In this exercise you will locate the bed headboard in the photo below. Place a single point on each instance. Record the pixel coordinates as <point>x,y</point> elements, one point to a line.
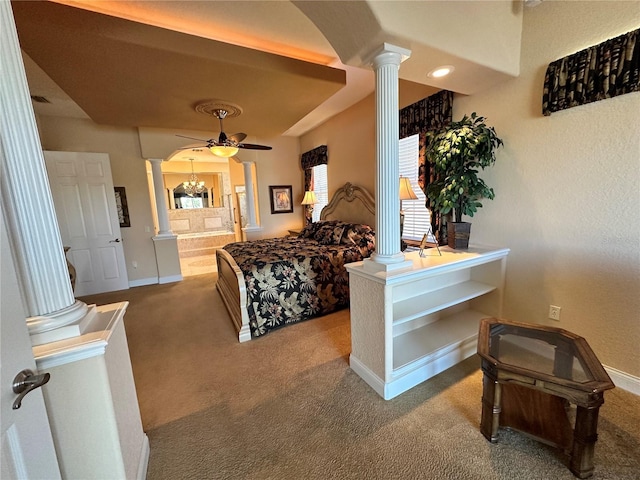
<point>352,204</point>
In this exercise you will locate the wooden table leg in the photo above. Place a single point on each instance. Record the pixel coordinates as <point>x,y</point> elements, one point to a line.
<point>491,408</point>
<point>585,435</point>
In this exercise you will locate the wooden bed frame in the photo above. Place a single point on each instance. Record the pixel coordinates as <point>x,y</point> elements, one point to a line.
<point>349,203</point>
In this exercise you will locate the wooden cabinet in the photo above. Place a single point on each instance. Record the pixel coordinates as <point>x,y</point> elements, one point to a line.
<point>411,324</point>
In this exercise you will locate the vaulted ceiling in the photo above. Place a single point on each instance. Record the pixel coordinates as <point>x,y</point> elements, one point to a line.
<point>288,65</point>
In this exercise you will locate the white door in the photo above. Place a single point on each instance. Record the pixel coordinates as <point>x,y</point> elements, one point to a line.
<point>27,446</point>
<point>85,204</point>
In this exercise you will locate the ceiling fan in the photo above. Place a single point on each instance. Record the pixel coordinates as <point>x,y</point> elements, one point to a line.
<point>225,145</point>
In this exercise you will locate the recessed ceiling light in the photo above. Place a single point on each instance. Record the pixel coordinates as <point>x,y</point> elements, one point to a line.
<point>441,71</point>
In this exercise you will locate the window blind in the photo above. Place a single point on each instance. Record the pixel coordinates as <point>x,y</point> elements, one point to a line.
<point>320,187</point>
<point>416,216</point>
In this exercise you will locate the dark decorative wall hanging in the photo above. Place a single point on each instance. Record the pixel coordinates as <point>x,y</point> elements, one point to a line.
<point>122,207</point>
<point>427,115</point>
<point>310,159</point>
<point>603,71</point>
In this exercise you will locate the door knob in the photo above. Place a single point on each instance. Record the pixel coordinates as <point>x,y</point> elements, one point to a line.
<point>117,240</point>
<point>25,382</point>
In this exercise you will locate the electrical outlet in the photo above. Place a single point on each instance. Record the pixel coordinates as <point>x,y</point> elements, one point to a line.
<point>554,312</point>
<point>134,264</point>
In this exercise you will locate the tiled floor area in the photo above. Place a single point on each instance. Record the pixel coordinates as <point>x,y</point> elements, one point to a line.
<point>198,265</point>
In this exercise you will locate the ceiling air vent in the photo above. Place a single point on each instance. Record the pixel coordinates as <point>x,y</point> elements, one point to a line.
<point>39,99</point>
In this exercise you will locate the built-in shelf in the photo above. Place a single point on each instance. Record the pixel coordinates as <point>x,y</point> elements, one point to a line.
<point>409,325</point>
<point>424,343</point>
<point>434,301</point>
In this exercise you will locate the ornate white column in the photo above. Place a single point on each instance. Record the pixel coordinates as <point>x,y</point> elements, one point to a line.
<point>159,191</point>
<point>165,242</point>
<point>248,189</point>
<point>33,231</point>
<point>385,63</point>
<point>252,222</point>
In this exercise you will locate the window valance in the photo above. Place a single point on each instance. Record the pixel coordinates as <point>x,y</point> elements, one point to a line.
<point>603,71</point>
<point>312,158</point>
<point>430,113</point>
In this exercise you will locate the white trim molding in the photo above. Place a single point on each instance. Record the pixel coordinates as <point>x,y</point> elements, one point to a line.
<point>141,282</point>
<point>623,380</point>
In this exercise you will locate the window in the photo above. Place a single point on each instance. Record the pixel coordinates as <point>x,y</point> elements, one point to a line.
<point>191,202</point>
<point>320,187</point>
<point>416,215</point>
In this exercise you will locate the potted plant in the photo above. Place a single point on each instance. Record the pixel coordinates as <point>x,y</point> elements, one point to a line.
<point>457,153</point>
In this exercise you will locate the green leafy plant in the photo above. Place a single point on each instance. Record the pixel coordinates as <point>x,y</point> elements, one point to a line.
<point>458,152</point>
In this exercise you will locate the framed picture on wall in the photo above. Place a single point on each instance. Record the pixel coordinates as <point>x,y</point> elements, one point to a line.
<point>121,206</point>
<point>280,196</point>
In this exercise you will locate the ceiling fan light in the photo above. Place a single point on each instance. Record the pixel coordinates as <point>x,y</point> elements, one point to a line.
<point>222,151</point>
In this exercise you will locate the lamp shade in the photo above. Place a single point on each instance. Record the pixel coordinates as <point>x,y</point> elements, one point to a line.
<point>309,198</point>
<point>406,192</point>
<point>222,151</point>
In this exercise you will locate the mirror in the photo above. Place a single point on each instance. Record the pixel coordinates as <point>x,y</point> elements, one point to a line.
<point>183,200</point>
<point>211,197</point>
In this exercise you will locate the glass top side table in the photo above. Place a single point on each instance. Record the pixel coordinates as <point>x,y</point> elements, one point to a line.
<point>532,375</point>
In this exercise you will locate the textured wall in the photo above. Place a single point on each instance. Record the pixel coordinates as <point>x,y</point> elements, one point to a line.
<point>129,171</point>
<point>567,188</point>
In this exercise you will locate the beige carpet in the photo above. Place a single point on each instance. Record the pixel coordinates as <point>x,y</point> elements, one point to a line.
<point>287,405</point>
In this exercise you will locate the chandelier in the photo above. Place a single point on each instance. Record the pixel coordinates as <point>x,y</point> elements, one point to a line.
<point>193,186</point>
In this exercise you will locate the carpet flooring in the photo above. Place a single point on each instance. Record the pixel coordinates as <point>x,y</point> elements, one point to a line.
<point>287,405</point>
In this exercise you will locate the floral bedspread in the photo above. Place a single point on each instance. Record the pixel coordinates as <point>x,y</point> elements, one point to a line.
<point>290,279</point>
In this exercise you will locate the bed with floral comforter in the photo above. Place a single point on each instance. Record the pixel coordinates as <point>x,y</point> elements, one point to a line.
<point>290,279</point>
<point>289,283</point>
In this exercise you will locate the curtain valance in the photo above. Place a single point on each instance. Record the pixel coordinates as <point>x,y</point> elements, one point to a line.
<point>428,114</point>
<point>603,71</point>
<point>312,158</point>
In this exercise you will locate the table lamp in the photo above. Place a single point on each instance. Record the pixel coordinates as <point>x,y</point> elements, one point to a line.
<point>406,193</point>
<point>309,200</point>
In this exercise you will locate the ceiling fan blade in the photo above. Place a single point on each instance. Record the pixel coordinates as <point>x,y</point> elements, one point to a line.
<point>193,138</point>
<point>195,147</point>
<point>253,146</point>
<point>238,137</point>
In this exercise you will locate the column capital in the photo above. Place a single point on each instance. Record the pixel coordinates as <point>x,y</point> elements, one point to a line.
<point>388,54</point>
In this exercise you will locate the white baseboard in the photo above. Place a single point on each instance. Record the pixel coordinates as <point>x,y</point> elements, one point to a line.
<point>418,371</point>
<point>373,380</point>
<point>155,280</point>
<point>170,279</point>
<point>144,459</point>
<point>141,282</point>
<point>623,380</point>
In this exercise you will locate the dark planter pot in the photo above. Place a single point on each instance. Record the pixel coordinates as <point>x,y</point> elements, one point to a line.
<point>458,235</point>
